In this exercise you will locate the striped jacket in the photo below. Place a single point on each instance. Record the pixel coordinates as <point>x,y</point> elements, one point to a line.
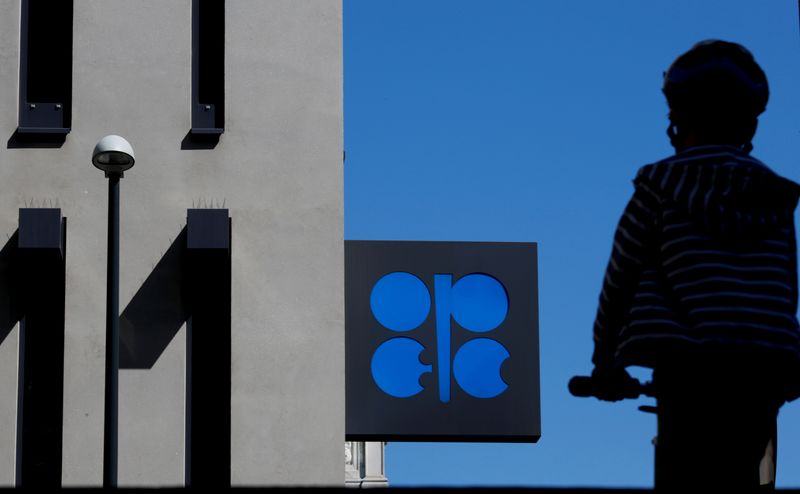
<point>704,258</point>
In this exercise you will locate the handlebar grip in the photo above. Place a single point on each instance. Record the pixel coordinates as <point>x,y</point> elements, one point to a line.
<point>586,387</point>
<point>582,386</point>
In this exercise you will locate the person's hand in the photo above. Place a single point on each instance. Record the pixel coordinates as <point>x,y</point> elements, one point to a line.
<point>614,384</point>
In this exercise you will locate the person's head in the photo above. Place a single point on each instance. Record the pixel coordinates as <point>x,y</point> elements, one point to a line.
<point>715,92</point>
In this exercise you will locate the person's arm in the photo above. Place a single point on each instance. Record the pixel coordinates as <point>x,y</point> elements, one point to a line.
<point>632,241</point>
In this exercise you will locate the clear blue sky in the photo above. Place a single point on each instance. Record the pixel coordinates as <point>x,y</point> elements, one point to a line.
<point>523,120</point>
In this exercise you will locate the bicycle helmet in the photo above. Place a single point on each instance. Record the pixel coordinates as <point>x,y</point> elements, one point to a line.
<point>713,81</point>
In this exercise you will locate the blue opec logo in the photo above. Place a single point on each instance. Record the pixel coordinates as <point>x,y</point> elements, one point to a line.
<point>401,302</point>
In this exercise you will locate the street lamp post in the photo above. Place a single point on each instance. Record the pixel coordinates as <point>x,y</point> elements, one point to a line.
<point>113,155</point>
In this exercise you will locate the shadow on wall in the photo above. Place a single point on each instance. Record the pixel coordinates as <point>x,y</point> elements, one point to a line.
<point>148,323</point>
<point>33,141</point>
<point>9,313</point>
<point>191,284</point>
<point>32,284</point>
<point>157,311</point>
<point>192,141</point>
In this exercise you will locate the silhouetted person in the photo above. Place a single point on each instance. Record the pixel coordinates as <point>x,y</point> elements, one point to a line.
<point>702,281</point>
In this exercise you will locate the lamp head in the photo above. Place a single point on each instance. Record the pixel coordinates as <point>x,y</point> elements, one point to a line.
<point>113,154</point>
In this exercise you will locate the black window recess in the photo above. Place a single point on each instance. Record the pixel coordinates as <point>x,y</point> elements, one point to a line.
<point>208,67</point>
<point>45,89</point>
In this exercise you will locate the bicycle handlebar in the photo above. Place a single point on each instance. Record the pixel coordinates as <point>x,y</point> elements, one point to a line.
<point>586,386</point>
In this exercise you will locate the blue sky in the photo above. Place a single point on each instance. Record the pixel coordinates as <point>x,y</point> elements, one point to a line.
<point>523,120</point>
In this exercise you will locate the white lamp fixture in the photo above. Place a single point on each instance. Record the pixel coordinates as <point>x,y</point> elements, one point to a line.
<point>113,154</point>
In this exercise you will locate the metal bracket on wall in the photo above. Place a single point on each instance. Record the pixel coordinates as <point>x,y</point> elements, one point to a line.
<point>208,341</point>
<point>41,276</point>
<point>45,104</point>
<point>208,70</point>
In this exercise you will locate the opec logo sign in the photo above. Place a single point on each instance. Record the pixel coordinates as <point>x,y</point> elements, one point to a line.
<point>401,303</point>
<point>441,341</point>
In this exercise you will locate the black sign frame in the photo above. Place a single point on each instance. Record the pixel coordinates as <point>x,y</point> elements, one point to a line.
<point>373,415</point>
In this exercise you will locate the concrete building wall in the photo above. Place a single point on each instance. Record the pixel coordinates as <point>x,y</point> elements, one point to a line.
<point>277,167</point>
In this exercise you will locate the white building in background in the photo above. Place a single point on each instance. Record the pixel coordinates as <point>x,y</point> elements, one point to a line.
<point>365,464</point>
<point>242,113</point>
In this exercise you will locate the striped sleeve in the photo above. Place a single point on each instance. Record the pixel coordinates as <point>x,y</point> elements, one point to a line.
<point>633,242</point>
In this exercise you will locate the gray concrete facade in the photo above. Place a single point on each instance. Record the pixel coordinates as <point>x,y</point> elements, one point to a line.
<point>278,168</point>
